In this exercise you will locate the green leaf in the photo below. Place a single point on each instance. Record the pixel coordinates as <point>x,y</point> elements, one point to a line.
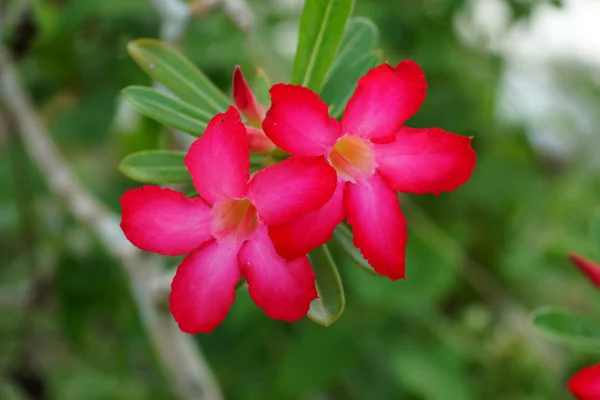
<point>322,26</point>
<point>340,87</point>
<point>168,67</point>
<point>155,166</point>
<point>343,238</point>
<point>167,110</point>
<point>262,84</point>
<point>357,54</point>
<point>569,328</point>
<point>328,307</point>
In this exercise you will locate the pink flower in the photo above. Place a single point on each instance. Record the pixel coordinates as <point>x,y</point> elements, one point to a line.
<point>230,239</point>
<point>248,106</point>
<point>585,385</point>
<point>374,156</point>
<point>587,267</point>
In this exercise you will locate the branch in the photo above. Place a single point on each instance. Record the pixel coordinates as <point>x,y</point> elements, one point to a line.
<point>179,355</point>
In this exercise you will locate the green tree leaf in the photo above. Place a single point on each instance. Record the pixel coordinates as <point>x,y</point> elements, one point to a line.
<point>170,68</point>
<point>328,307</point>
<point>322,26</point>
<point>357,55</point>
<point>342,236</point>
<point>167,110</point>
<point>155,166</point>
<point>569,328</point>
<point>340,87</point>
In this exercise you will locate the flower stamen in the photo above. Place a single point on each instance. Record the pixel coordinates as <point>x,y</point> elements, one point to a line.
<point>353,158</point>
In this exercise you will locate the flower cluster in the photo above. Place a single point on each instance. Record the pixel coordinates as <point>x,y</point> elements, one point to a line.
<point>262,226</point>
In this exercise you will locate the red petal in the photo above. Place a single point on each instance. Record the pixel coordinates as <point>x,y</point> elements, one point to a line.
<point>379,228</point>
<point>204,287</point>
<point>585,385</point>
<point>589,268</point>
<point>425,161</point>
<point>258,142</point>
<point>301,235</point>
<point>283,289</point>
<point>164,221</point>
<point>219,161</point>
<point>384,99</point>
<point>298,121</point>
<point>294,187</point>
<point>244,99</point>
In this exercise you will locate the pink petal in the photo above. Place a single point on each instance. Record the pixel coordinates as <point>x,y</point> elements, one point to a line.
<point>384,99</point>
<point>219,161</point>
<point>258,142</point>
<point>283,289</point>
<point>425,161</point>
<point>204,287</point>
<point>298,121</point>
<point>294,187</point>
<point>164,221</point>
<point>379,228</point>
<point>303,234</point>
<point>588,268</point>
<point>585,385</point>
<point>244,99</point>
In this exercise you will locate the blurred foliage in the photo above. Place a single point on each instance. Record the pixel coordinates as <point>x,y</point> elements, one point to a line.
<point>433,336</point>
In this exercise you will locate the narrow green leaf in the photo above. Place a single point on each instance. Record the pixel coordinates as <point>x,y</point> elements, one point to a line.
<point>328,307</point>
<point>167,110</point>
<point>155,166</point>
<point>168,67</point>
<point>322,26</point>
<point>568,328</point>
<point>360,36</point>
<point>262,84</point>
<point>343,237</point>
<point>356,55</point>
<point>342,83</point>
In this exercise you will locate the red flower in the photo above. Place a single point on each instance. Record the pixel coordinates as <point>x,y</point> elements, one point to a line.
<point>374,156</point>
<point>230,239</point>
<point>248,106</point>
<point>585,385</point>
<point>587,267</point>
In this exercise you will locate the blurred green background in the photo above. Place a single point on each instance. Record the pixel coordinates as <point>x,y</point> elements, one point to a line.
<point>479,259</point>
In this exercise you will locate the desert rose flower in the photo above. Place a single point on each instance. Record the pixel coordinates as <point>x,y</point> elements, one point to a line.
<point>229,240</point>
<point>589,268</point>
<point>246,103</point>
<point>374,156</point>
<point>585,385</point>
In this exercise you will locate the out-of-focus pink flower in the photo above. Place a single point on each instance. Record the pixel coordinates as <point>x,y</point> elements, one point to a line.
<point>585,385</point>
<point>587,267</point>
<point>374,156</point>
<point>230,240</point>
<point>246,103</point>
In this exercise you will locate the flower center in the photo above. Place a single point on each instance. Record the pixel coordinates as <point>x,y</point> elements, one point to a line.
<point>353,158</point>
<point>236,219</point>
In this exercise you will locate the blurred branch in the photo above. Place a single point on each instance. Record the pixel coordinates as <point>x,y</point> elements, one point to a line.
<point>175,15</point>
<point>13,12</point>
<point>179,355</point>
<point>14,296</point>
<point>237,10</point>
